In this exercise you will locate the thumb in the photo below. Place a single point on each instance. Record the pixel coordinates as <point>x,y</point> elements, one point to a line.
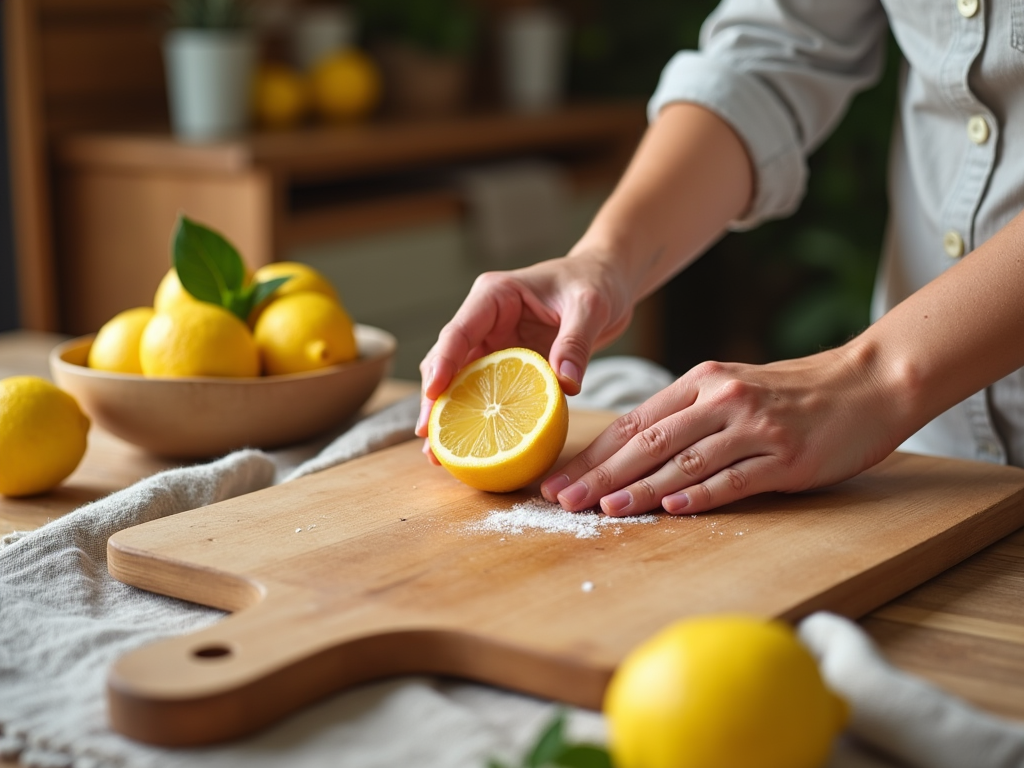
<point>571,349</point>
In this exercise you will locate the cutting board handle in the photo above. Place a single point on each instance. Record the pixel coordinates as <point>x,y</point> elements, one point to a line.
<point>290,649</point>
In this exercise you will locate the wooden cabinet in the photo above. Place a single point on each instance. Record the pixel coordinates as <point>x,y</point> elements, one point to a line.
<point>119,194</point>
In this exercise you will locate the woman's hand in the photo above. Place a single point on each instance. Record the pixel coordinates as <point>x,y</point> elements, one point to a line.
<point>563,308</point>
<point>725,431</point>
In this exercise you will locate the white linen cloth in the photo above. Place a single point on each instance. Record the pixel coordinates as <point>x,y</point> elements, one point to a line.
<point>64,621</point>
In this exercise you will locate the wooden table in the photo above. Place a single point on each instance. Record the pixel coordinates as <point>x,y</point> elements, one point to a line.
<point>963,630</point>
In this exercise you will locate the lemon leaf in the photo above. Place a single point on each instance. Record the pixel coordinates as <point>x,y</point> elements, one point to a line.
<point>261,291</point>
<point>208,266</point>
<point>583,756</point>
<point>550,744</point>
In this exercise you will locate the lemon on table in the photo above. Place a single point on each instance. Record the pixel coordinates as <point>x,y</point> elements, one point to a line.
<point>280,96</point>
<point>304,332</point>
<point>721,692</point>
<point>199,339</point>
<point>345,85</point>
<point>302,278</point>
<point>42,435</point>
<point>116,346</point>
<point>502,421</point>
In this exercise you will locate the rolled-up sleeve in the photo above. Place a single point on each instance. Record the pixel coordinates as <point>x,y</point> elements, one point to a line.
<point>782,73</point>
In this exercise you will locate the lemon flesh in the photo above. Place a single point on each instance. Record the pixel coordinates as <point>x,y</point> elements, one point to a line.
<point>116,346</point>
<point>304,332</point>
<point>721,692</point>
<point>199,339</point>
<point>502,422</point>
<point>43,435</point>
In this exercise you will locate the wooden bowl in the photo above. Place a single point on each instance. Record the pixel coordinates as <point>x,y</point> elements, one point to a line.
<point>204,417</point>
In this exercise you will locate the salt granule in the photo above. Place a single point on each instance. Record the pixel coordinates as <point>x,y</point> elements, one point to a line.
<point>542,515</point>
<point>587,586</point>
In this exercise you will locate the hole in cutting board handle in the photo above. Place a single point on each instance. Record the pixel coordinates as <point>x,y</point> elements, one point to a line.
<point>212,652</point>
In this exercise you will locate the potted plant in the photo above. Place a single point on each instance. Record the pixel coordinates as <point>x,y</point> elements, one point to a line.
<point>424,48</point>
<point>209,54</point>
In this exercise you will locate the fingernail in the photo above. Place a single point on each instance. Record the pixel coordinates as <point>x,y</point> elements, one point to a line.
<point>568,370</point>
<point>431,374</point>
<point>574,494</point>
<point>421,420</point>
<point>551,487</point>
<point>677,502</point>
<point>616,502</point>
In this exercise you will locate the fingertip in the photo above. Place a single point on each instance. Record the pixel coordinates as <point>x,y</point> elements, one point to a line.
<point>554,485</point>
<point>570,377</point>
<point>676,503</point>
<point>430,454</point>
<point>424,417</point>
<point>439,376</point>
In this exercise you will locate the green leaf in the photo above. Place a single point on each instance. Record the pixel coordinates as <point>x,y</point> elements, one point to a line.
<point>261,291</point>
<point>550,744</point>
<point>584,756</point>
<point>208,266</point>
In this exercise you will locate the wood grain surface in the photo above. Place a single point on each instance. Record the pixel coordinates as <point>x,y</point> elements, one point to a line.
<point>375,568</point>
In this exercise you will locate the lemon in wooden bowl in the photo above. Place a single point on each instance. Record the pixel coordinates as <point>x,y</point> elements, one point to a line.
<point>200,417</point>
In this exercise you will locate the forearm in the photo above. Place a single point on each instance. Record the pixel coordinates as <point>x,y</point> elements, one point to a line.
<point>956,335</point>
<point>690,177</point>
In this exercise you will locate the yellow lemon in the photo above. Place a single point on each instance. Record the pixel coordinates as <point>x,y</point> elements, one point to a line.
<point>279,96</point>
<point>171,293</point>
<point>345,85</point>
<point>116,346</point>
<point>42,435</point>
<point>304,332</point>
<point>502,422</point>
<point>721,692</point>
<point>199,339</point>
<point>304,278</point>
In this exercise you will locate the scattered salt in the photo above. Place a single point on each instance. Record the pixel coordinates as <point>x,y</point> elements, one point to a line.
<point>551,518</point>
<point>587,586</point>
<point>298,530</point>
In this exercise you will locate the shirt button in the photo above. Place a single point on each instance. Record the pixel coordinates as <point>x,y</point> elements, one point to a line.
<point>977,129</point>
<point>953,243</point>
<point>967,8</point>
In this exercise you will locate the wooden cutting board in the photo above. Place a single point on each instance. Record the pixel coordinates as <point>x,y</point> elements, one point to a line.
<point>384,566</point>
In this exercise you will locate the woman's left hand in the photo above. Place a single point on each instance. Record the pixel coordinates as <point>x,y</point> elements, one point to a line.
<point>724,431</point>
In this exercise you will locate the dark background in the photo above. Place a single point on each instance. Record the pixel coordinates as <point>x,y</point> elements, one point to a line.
<point>8,296</point>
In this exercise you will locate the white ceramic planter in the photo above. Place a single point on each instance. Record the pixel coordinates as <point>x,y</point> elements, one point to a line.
<point>534,52</point>
<point>209,82</point>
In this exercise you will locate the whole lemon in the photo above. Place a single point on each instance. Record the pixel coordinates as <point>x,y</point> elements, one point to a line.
<point>280,96</point>
<point>345,85</point>
<point>116,346</point>
<point>171,293</point>
<point>303,279</point>
<point>721,692</point>
<point>304,332</point>
<point>42,435</point>
<point>199,339</point>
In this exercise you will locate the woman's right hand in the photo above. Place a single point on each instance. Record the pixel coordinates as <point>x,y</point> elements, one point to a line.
<point>565,309</point>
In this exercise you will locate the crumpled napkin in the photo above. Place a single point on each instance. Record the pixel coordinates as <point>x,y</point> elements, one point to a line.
<point>902,716</point>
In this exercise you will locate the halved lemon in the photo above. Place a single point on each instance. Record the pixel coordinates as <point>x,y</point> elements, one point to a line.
<point>502,422</point>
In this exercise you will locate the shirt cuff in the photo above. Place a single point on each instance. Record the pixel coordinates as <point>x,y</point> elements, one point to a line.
<point>762,123</point>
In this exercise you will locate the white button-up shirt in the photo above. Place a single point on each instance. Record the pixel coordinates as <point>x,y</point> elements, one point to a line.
<point>782,73</point>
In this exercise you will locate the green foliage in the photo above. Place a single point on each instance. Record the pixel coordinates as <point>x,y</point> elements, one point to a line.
<point>208,14</point>
<point>446,27</point>
<point>210,269</point>
<point>551,750</point>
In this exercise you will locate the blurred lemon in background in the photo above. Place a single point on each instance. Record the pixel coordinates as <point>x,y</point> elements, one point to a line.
<point>502,422</point>
<point>280,96</point>
<point>116,347</point>
<point>304,331</point>
<point>345,85</point>
<point>721,692</point>
<point>42,435</point>
<point>198,339</point>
